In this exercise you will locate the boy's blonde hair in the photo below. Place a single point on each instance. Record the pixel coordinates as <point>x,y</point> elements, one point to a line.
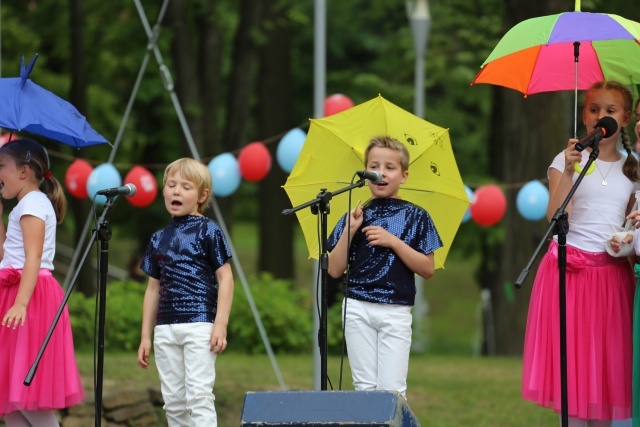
<point>194,171</point>
<point>386,141</point>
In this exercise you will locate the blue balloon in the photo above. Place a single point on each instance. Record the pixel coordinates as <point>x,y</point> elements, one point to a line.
<point>289,148</point>
<point>532,201</point>
<point>225,174</point>
<point>102,177</point>
<point>467,214</point>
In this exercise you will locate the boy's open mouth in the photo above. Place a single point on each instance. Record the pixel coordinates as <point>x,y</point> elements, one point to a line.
<point>176,204</point>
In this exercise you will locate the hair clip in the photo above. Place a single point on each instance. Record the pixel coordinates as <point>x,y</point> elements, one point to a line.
<point>48,175</point>
<point>28,158</point>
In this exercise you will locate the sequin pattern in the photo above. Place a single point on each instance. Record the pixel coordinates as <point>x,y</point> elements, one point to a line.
<point>184,257</point>
<point>376,274</point>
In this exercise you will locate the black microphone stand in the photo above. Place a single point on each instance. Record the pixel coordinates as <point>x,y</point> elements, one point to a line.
<point>103,233</point>
<point>320,205</point>
<point>560,225</point>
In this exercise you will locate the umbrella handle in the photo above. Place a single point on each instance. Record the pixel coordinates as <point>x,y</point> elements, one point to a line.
<point>576,55</point>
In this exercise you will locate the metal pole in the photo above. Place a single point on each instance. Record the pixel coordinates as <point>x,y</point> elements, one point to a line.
<point>319,94</point>
<point>0,38</point>
<point>420,19</point>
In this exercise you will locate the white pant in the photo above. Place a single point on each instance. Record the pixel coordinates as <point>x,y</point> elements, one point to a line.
<point>187,373</point>
<point>378,343</point>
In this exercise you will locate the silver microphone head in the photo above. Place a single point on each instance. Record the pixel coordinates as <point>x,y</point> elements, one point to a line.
<point>132,189</point>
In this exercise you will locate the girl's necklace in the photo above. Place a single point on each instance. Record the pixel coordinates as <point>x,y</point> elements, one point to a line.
<point>604,177</point>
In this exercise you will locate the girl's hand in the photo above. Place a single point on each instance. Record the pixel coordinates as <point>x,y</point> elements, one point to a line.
<point>616,244</point>
<point>378,236</point>
<point>15,316</point>
<point>635,218</point>
<point>571,155</point>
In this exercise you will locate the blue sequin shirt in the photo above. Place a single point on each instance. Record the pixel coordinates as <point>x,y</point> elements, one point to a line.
<point>376,273</point>
<point>184,257</point>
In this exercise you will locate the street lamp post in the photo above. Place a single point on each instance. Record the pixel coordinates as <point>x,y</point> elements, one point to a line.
<point>420,19</point>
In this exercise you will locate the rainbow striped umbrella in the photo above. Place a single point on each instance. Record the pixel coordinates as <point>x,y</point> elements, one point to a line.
<point>570,50</point>
<point>539,54</point>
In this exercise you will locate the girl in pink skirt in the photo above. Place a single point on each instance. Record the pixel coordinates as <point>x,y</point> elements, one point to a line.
<point>599,287</point>
<point>30,296</point>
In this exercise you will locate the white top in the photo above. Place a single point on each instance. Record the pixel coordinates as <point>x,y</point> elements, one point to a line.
<point>36,204</point>
<point>597,211</point>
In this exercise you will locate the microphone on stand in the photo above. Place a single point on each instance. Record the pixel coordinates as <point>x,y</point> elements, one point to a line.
<point>374,177</point>
<point>605,127</point>
<point>125,190</point>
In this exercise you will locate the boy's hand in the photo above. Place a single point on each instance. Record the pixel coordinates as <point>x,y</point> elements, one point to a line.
<point>357,211</point>
<point>356,218</point>
<point>218,339</point>
<point>378,236</point>
<point>143,353</point>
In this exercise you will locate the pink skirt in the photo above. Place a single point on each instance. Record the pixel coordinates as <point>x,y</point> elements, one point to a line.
<point>599,290</point>
<point>57,383</point>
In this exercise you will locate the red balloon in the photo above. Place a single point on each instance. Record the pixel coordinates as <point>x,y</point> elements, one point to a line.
<point>76,178</point>
<point>336,103</point>
<point>489,205</point>
<point>146,186</point>
<point>7,137</point>
<point>254,161</point>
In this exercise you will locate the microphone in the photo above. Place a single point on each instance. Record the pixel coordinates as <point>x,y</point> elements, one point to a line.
<point>125,190</point>
<point>606,126</point>
<point>374,177</point>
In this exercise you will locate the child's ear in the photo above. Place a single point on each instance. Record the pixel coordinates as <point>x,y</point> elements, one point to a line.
<point>627,119</point>
<point>405,175</point>
<point>204,195</point>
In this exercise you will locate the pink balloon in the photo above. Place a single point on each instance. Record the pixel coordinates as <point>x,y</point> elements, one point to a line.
<point>488,206</point>
<point>336,103</point>
<point>76,178</point>
<point>146,185</point>
<point>254,161</point>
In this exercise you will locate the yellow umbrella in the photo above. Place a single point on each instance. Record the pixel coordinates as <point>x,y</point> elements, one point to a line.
<point>334,150</point>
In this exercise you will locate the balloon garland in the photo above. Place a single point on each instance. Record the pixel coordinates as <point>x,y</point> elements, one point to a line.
<point>487,207</point>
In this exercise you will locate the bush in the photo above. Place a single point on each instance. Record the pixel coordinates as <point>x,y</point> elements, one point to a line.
<point>284,310</point>
<point>123,317</point>
<point>286,314</point>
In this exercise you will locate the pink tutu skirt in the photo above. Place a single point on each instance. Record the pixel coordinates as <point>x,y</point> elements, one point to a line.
<point>57,383</point>
<point>599,290</point>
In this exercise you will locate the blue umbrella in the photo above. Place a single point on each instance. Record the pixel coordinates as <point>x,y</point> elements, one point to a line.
<point>27,107</point>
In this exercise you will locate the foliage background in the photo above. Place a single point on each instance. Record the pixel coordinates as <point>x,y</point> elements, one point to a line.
<point>243,71</point>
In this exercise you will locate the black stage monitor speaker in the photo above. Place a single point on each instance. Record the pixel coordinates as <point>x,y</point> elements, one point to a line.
<point>326,408</point>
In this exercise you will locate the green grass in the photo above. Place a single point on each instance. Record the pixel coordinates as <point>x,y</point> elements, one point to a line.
<point>447,391</point>
<point>449,385</point>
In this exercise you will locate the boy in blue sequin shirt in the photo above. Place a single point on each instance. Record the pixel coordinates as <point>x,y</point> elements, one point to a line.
<point>188,297</point>
<point>391,241</point>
